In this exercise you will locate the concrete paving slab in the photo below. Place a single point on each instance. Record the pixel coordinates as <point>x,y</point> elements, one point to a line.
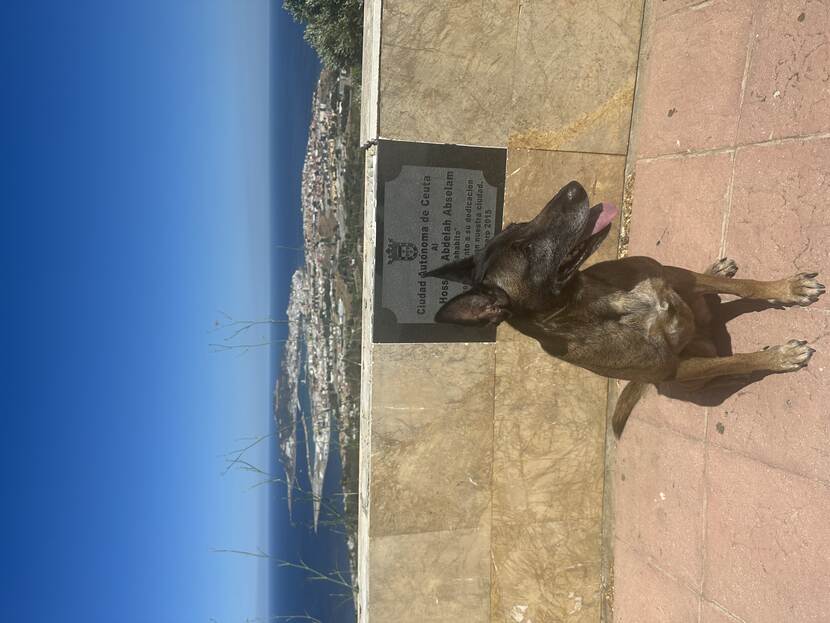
<point>546,572</point>
<point>788,84</point>
<point>691,92</point>
<point>767,542</point>
<point>778,223</point>
<point>710,613</point>
<point>431,402</point>
<point>679,206</point>
<point>783,419</point>
<point>546,386</point>
<point>446,71</point>
<point>684,418</point>
<point>431,577</point>
<point>660,506</point>
<point>645,594</point>
<point>665,7</point>
<point>570,92</point>
<point>548,444</point>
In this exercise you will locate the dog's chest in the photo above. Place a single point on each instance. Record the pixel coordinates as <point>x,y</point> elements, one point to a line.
<point>620,330</point>
<point>654,310</point>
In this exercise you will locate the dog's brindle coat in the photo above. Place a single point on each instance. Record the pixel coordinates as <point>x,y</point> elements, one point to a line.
<point>631,319</point>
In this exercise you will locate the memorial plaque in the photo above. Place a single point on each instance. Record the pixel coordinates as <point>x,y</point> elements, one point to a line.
<point>436,204</point>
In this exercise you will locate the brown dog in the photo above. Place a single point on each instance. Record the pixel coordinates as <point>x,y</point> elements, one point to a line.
<point>631,319</point>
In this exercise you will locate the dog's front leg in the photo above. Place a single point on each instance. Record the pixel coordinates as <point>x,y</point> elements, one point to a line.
<point>788,357</point>
<point>801,289</point>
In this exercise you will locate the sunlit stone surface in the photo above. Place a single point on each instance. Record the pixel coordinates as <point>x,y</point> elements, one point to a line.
<point>483,497</point>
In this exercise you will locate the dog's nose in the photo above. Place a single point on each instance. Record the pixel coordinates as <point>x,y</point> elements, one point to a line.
<point>575,192</point>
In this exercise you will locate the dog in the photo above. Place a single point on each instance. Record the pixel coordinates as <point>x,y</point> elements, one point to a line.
<point>632,318</point>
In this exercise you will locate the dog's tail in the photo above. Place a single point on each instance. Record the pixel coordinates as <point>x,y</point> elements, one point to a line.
<point>629,397</point>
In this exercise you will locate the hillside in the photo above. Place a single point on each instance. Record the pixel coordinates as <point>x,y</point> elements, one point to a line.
<point>318,388</point>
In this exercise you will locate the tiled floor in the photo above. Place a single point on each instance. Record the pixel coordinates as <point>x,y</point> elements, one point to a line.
<point>723,511</point>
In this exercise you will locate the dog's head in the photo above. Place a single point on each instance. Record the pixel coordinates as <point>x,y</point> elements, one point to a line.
<point>525,267</point>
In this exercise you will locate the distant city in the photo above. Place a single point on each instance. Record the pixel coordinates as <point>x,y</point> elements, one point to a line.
<point>318,387</point>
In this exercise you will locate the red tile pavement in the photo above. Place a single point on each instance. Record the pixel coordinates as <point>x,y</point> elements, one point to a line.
<point>688,197</point>
<point>685,418</point>
<point>788,84</point>
<point>709,613</point>
<point>660,498</point>
<point>768,543</point>
<point>778,222</point>
<point>691,92</point>
<point>746,505</point>
<point>783,419</point>
<point>644,594</point>
<point>664,7</point>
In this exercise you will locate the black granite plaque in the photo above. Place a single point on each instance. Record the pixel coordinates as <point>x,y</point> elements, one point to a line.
<point>436,204</point>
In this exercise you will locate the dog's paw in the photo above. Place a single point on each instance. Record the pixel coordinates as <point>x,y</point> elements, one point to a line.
<point>802,289</point>
<point>724,267</point>
<point>789,357</point>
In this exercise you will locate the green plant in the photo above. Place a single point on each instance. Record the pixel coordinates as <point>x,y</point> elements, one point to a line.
<point>334,28</point>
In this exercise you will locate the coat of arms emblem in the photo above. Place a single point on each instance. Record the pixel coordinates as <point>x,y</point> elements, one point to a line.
<point>400,251</point>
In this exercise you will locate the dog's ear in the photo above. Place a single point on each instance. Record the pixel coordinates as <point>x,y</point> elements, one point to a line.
<point>476,308</point>
<point>460,271</point>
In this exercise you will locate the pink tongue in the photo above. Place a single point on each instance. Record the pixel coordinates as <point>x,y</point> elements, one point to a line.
<point>609,211</point>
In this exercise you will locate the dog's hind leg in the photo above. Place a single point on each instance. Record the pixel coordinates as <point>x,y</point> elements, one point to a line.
<point>788,357</point>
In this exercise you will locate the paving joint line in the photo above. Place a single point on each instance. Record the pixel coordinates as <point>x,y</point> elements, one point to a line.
<point>688,8</point>
<point>764,462</point>
<point>723,610</point>
<point>750,47</point>
<point>651,561</point>
<point>784,140</point>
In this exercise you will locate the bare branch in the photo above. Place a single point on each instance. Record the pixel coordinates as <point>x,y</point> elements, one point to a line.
<point>220,348</point>
<point>240,453</point>
<point>257,554</point>
<point>313,575</point>
<point>293,617</point>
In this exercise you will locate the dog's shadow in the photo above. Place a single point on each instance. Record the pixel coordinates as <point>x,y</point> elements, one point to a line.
<point>716,391</point>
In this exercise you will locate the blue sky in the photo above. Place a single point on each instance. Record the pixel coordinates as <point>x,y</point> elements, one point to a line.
<point>137,201</point>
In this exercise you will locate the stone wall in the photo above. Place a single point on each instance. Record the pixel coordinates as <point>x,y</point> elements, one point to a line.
<point>482,464</point>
